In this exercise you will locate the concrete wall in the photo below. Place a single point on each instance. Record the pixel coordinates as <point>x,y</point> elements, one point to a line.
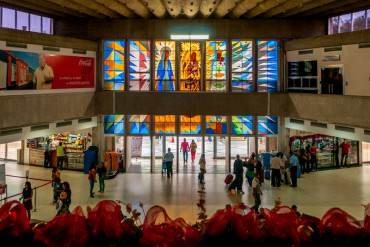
<point>216,28</point>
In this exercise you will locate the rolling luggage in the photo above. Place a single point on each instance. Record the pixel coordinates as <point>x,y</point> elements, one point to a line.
<point>229,178</point>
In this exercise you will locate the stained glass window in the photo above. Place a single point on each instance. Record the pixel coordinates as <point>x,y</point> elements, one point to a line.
<point>242,125</point>
<point>267,125</point>
<point>139,124</point>
<point>139,65</point>
<point>114,64</point>
<point>267,79</point>
<point>190,125</point>
<point>114,124</point>
<point>165,66</point>
<point>216,60</point>
<point>165,124</point>
<point>190,62</point>
<point>216,125</point>
<point>242,66</point>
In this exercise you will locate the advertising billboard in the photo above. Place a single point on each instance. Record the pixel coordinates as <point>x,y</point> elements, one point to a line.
<point>21,70</point>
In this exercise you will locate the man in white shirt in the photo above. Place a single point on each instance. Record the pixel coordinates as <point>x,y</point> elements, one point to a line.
<point>168,159</point>
<point>44,75</point>
<point>276,164</point>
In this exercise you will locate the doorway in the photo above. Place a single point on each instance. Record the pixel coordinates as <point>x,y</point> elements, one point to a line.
<point>332,81</point>
<point>161,145</point>
<point>138,154</point>
<point>243,146</point>
<point>191,166</point>
<point>215,152</point>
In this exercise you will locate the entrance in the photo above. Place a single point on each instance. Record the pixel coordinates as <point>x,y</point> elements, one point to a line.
<point>331,81</point>
<point>244,146</point>
<point>215,152</point>
<point>138,154</point>
<point>161,145</point>
<point>191,166</point>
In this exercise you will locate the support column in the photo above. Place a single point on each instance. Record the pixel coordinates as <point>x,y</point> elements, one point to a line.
<point>214,147</point>
<point>228,153</point>
<point>152,152</point>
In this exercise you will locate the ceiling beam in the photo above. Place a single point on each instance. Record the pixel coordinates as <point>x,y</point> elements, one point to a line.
<point>306,7</point>
<point>191,7</point>
<point>263,7</point>
<point>244,6</point>
<point>156,7</point>
<point>331,7</point>
<point>118,7</point>
<point>137,7</point>
<point>207,7</point>
<point>225,7</point>
<point>173,7</point>
<point>77,7</point>
<point>345,9</point>
<point>291,4</point>
<point>97,7</point>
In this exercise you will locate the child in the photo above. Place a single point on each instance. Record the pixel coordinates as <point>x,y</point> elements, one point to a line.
<point>92,180</point>
<point>202,166</point>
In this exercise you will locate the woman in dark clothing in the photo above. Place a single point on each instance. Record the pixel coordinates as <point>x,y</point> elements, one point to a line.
<point>27,198</point>
<point>302,160</point>
<point>67,189</point>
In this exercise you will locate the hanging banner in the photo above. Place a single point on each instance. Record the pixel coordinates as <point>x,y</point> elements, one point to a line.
<point>21,70</point>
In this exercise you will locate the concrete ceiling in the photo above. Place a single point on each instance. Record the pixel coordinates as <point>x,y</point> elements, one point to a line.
<point>244,9</point>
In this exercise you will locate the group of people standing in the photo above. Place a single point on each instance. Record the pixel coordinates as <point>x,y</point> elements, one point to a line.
<point>60,153</point>
<point>101,170</point>
<point>62,193</point>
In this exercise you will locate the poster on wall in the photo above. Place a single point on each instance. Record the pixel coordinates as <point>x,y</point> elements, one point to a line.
<point>21,70</point>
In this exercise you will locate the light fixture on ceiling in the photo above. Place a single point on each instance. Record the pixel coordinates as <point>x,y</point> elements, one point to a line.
<point>189,36</point>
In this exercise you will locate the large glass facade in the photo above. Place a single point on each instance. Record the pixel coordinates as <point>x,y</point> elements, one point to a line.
<point>267,125</point>
<point>242,125</point>
<point>268,73</point>
<point>139,65</point>
<point>165,66</point>
<point>216,61</point>
<point>216,125</point>
<point>349,22</point>
<point>139,124</point>
<point>179,65</point>
<point>190,66</point>
<point>165,124</point>
<point>190,125</point>
<point>242,66</point>
<point>114,64</point>
<point>114,124</point>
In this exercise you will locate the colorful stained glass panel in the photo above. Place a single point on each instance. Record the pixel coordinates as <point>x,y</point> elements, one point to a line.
<point>242,125</point>
<point>190,62</point>
<point>165,124</point>
<point>216,62</point>
<point>139,72</point>
<point>242,66</point>
<point>114,64</point>
<point>216,125</point>
<point>190,125</point>
<point>139,124</point>
<point>114,124</point>
<point>267,79</point>
<point>165,65</point>
<point>267,125</point>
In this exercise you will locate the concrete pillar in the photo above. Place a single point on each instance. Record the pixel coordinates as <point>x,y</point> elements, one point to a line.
<point>215,147</point>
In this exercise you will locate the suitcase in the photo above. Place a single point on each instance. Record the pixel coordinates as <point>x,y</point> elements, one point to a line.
<point>229,178</point>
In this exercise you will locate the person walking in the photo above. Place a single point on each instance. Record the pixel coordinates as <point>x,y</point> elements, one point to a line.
<point>250,164</point>
<point>92,180</point>
<point>102,171</point>
<point>185,150</point>
<point>238,171</point>
<point>168,160</point>
<point>193,150</point>
<point>257,192</point>
<point>57,188</point>
<point>27,198</point>
<point>47,154</point>
<point>313,153</point>
<point>276,164</point>
<point>345,151</point>
<point>60,155</point>
<point>202,167</point>
<point>294,162</point>
<point>55,173</point>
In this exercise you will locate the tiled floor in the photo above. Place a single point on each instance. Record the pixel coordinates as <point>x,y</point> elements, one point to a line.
<point>316,192</point>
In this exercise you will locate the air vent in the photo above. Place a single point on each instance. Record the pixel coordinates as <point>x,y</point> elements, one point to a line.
<point>303,52</point>
<point>10,132</point>
<point>367,132</point>
<point>364,45</point>
<point>84,120</point>
<point>78,51</point>
<point>50,48</point>
<point>320,125</point>
<point>40,127</point>
<point>334,48</point>
<point>296,121</point>
<point>345,129</point>
<point>16,44</point>
<point>64,124</point>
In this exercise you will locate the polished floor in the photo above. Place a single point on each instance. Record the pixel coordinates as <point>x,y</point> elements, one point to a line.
<point>316,192</point>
